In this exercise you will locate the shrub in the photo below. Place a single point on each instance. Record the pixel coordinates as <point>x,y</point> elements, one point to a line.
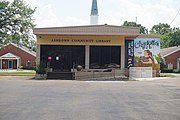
<point>177,71</point>
<point>167,71</point>
<point>20,67</point>
<point>29,68</point>
<point>160,61</point>
<point>41,68</point>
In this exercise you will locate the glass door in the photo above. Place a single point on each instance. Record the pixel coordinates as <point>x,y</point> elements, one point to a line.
<point>10,64</point>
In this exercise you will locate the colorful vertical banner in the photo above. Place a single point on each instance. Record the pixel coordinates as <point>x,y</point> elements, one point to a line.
<point>129,53</point>
<point>146,50</point>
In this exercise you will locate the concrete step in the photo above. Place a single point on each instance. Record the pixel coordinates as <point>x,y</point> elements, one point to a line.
<point>60,75</point>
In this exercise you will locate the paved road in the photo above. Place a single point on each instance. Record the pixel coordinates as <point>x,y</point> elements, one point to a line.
<point>22,98</point>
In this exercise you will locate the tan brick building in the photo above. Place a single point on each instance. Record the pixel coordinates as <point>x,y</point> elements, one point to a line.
<point>12,56</point>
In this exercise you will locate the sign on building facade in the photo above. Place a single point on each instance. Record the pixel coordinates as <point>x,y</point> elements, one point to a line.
<point>146,50</point>
<point>129,53</point>
<point>142,52</point>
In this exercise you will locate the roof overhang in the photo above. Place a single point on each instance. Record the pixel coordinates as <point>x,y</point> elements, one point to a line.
<point>95,30</point>
<point>148,36</point>
<point>171,52</point>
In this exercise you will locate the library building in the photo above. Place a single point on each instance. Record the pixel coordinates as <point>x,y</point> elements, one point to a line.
<point>94,47</point>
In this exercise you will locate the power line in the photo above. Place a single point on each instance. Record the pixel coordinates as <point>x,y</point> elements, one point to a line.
<point>175,17</point>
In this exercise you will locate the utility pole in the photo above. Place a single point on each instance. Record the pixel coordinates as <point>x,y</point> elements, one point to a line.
<point>136,19</point>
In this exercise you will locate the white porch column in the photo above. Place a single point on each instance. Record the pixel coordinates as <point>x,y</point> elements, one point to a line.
<point>87,54</point>
<point>122,57</point>
<point>0,63</point>
<point>17,63</point>
<point>20,62</point>
<point>38,55</point>
<point>178,60</point>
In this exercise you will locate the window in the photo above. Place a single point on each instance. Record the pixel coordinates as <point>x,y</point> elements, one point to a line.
<point>170,66</point>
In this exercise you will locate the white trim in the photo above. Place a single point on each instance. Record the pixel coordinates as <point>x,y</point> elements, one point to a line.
<point>171,52</point>
<point>122,57</point>
<point>8,56</point>
<point>38,53</point>
<point>178,63</point>
<point>1,63</point>
<point>87,54</point>
<point>19,61</point>
<point>94,19</point>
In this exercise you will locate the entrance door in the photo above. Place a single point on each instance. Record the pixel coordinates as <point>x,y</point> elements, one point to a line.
<point>10,64</point>
<point>63,61</point>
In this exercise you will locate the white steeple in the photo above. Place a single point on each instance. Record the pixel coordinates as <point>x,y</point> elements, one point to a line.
<point>94,13</point>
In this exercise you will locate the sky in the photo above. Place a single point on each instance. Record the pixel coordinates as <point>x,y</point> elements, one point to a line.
<point>56,13</point>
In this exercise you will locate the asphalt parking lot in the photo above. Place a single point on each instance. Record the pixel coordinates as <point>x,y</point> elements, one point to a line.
<point>22,98</point>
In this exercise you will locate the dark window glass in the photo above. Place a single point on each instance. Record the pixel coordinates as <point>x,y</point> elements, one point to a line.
<point>103,56</point>
<point>62,57</point>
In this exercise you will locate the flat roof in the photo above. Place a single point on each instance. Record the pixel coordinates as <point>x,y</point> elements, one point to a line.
<point>89,30</point>
<point>148,36</point>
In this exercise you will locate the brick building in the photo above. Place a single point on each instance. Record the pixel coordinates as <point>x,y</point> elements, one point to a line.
<point>12,56</point>
<point>171,56</point>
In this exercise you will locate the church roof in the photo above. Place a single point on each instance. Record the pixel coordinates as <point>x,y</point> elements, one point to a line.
<point>168,51</point>
<point>94,9</point>
<point>23,48</point>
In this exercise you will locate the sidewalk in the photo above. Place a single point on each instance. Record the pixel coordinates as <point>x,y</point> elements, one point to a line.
<point>7,70</point>
<point>151,79</point>
<point>14,70</point>
<point>159,78</point>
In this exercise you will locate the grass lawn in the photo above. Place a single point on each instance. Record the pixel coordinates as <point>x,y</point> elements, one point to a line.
<point>168,74</point>
<point>18,73</point>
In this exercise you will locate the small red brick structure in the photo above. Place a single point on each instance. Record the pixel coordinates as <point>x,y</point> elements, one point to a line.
<point>171,56</point>
<point>12,56</point>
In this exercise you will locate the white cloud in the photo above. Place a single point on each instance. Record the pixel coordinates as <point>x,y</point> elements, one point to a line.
<point>148,12</point>
<point>46,17</point>
<point>70,20</point>
<point>33,3</point>
<point>155,14</point>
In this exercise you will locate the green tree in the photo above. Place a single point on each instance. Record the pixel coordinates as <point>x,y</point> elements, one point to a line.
<point>160,61</point>
<point>143,30</point>
<point>171,39</point>
<point>161,29</point>
<point>16,22</point>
